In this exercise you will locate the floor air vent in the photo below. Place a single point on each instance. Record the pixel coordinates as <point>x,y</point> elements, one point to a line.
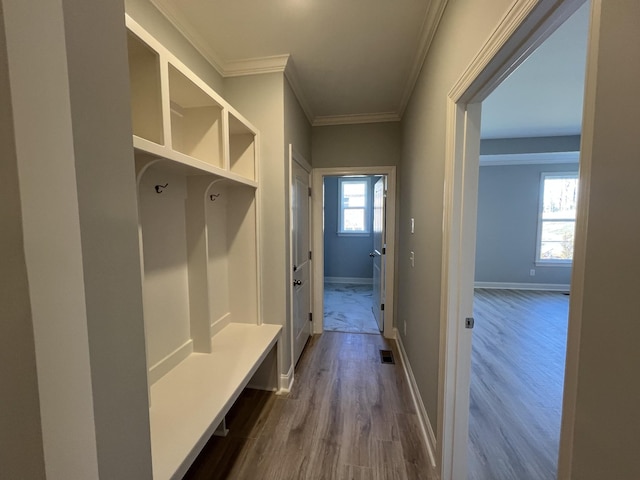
<point>386,356</point>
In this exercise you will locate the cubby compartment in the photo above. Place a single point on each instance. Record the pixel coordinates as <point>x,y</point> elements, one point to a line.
<point>196,120</point>
<point>146,97</point>
<point>199,248</point>
<point>242,149</point>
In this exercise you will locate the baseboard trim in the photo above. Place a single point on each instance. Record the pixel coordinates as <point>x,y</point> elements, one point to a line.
<point>547,287</point>
<point>355,280</point>
<point>286,382</point>
<point>219,324</point>
<point>164,366</point>
<point>425,423</point>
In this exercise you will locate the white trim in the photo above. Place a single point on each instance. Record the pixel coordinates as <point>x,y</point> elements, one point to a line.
<point>541,158</point>
<point>256,66</point>
<point>168,363</point>
<point>353,280</point>
<point>318,240</point>
<point>421,411</point>
<point>219,324</point>
<point>545,287</point>
<point>286,382</point>
<point>429,26</point>
<point>357,118</point>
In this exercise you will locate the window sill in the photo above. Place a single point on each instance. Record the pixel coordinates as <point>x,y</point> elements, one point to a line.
<point>354,234</point>
<point>553,264</point>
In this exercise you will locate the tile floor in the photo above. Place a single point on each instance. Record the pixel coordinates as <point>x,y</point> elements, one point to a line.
<point>348,308</point>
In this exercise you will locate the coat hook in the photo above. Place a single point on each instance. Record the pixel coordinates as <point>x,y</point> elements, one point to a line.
<point>160,188</point>
<point>214,196</point>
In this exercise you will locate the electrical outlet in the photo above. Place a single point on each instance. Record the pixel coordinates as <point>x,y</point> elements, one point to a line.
<point>412,257</point>
<point>532,272</point>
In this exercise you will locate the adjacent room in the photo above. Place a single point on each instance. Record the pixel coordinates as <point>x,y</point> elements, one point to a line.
<point>349,254</point>
<point>527,196</point>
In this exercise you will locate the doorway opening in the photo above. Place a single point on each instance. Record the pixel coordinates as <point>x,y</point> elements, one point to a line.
<point>520,32</point>
<point>526,211</point>
<point>354,242</point>
<point>354,249</point>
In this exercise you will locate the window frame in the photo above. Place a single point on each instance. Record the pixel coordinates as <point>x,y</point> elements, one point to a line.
<point>341,208</point>
<point>549,262</point>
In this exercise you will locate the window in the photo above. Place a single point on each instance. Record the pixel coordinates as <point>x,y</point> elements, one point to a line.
<point>353,205</point>
<point>556,223</point>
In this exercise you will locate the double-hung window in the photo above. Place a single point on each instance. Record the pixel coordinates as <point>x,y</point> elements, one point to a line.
<point>557,218</point>
<point>353,205</point>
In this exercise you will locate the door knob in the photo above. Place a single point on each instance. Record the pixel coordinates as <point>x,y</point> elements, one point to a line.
<point>297,282</point>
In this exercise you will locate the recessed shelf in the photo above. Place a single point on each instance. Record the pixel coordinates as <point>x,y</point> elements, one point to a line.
<point>242,148</point>
<point>146,97</point>
<point>196,120</point>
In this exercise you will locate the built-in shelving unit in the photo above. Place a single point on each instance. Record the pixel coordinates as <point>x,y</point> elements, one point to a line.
<point>197,170</point>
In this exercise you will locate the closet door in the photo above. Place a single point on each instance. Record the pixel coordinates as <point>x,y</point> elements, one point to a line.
<point>300,243</point>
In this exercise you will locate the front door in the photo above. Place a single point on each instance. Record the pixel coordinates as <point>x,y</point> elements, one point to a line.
<point>300,253</point>
<point>378,254</point>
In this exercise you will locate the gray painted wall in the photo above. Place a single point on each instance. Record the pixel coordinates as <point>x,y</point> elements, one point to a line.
<point>344,255</point>
<point>370,144</point>
<point>508,199</point>
<point>464,27</point>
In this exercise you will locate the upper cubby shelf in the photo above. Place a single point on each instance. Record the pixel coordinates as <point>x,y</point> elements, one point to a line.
<point>177,116</point>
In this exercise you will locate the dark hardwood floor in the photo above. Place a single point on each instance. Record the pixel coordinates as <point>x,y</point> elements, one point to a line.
<point>517,373</point>
<point>347,417</point>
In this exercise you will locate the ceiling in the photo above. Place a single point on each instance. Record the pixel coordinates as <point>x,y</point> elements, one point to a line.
<point>543,96</point>
<point>357,61</point>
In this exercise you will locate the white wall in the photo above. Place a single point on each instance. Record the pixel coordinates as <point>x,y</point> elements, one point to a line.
<point>465,26</point>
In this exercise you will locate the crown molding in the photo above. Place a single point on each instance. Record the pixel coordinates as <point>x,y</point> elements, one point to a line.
<point>542,158</point>
<point>356,118</point>
<point>429,26</point>
<point>170,13</point>
<point>256,66</point>
<point>291,74</point>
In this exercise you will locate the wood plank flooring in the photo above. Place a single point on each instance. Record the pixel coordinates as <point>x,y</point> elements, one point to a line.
<point>348,417</point>
<point>517,374</point>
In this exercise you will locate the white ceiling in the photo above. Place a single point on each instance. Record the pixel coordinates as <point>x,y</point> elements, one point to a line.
<point>356,61</point>
<point>351,58</point>
<point>544,95</point>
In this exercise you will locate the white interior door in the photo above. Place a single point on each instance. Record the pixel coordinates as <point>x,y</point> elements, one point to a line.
<point>300,254</point>
<point>378,254</point>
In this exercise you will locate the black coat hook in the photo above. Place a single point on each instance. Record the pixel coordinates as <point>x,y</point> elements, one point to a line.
<point>214,196</point>
<point>160,188</point>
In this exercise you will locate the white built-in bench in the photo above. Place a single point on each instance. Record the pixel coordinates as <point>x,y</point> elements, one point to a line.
<point>189,402</point>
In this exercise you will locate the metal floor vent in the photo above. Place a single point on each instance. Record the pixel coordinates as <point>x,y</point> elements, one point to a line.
<point>386,356</point>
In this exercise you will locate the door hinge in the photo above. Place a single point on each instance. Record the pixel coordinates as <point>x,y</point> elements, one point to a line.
<point>309,191</point>
<point>382,306</point>
<point>310,317</point>
<point>309,254</point>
